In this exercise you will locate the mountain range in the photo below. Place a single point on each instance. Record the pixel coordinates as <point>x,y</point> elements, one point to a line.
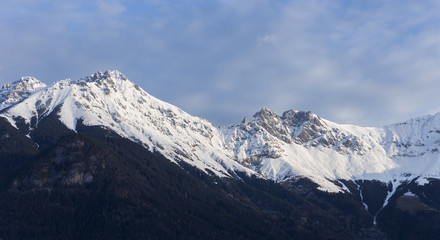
<point>69,134</point>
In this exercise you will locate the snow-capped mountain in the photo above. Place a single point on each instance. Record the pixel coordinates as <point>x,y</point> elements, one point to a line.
<point>111,101</point>
<point>14,92</point>
<point>295,144</point>
<point>301,143</point>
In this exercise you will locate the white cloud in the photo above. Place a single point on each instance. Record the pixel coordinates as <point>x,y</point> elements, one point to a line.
<point>378,58</point>
<point>267,39</point>
<point>111,7</point>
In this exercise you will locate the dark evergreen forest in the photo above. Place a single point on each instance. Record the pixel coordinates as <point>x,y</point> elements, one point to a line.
<point>94,184</point>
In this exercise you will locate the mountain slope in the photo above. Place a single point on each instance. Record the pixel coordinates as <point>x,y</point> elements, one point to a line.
<point>111,101</point>
<point>294,145</point>
<point>102,186</point>
<point>303,144</point>
<point>98,154</point>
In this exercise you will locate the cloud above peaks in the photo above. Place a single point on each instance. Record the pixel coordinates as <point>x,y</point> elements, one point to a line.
<point>361,62</point>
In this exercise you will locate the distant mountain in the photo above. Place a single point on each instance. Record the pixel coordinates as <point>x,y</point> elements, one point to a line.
<point>81,133</point>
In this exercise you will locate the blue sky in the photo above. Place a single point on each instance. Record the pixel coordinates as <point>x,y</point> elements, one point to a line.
<point>361,62</point>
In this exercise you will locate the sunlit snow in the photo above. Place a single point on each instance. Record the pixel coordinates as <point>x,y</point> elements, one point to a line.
<point>269,146</point>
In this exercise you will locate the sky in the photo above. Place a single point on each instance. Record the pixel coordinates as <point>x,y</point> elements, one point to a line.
<point>360,62</point>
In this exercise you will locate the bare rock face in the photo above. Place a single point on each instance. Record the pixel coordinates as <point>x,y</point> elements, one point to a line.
<point>273,124</point>
<point>299,127</point>
<point>305,126</point>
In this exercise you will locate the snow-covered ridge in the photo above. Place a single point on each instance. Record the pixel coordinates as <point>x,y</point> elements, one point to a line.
<point>14,92</point>
<point>301,143</point>
<point>413,138</point>
<point>278,147</point>
<point>108,99</point>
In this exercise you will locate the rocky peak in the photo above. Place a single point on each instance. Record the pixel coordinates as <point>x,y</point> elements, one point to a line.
<point>297,126</point>
<point>304,125</point>
<point>14,92</point>
<point>109,81</point>
<point>245,121</point>
<point>295,118</point>
<point>25,84</point>
<point>265,113</point>
<point>272,123</point>
<point>108,75</point>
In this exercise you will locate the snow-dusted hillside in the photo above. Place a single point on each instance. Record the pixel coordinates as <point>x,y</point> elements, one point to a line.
<point>295,144</point>
<point>110,100</point>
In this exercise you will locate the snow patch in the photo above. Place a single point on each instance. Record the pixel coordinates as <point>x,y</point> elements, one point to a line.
<point>361,195</point>
<point>421,181</point>
<point>410,194</point>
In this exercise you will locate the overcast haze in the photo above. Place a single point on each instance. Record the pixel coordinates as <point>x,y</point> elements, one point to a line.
<point>361,62</point>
